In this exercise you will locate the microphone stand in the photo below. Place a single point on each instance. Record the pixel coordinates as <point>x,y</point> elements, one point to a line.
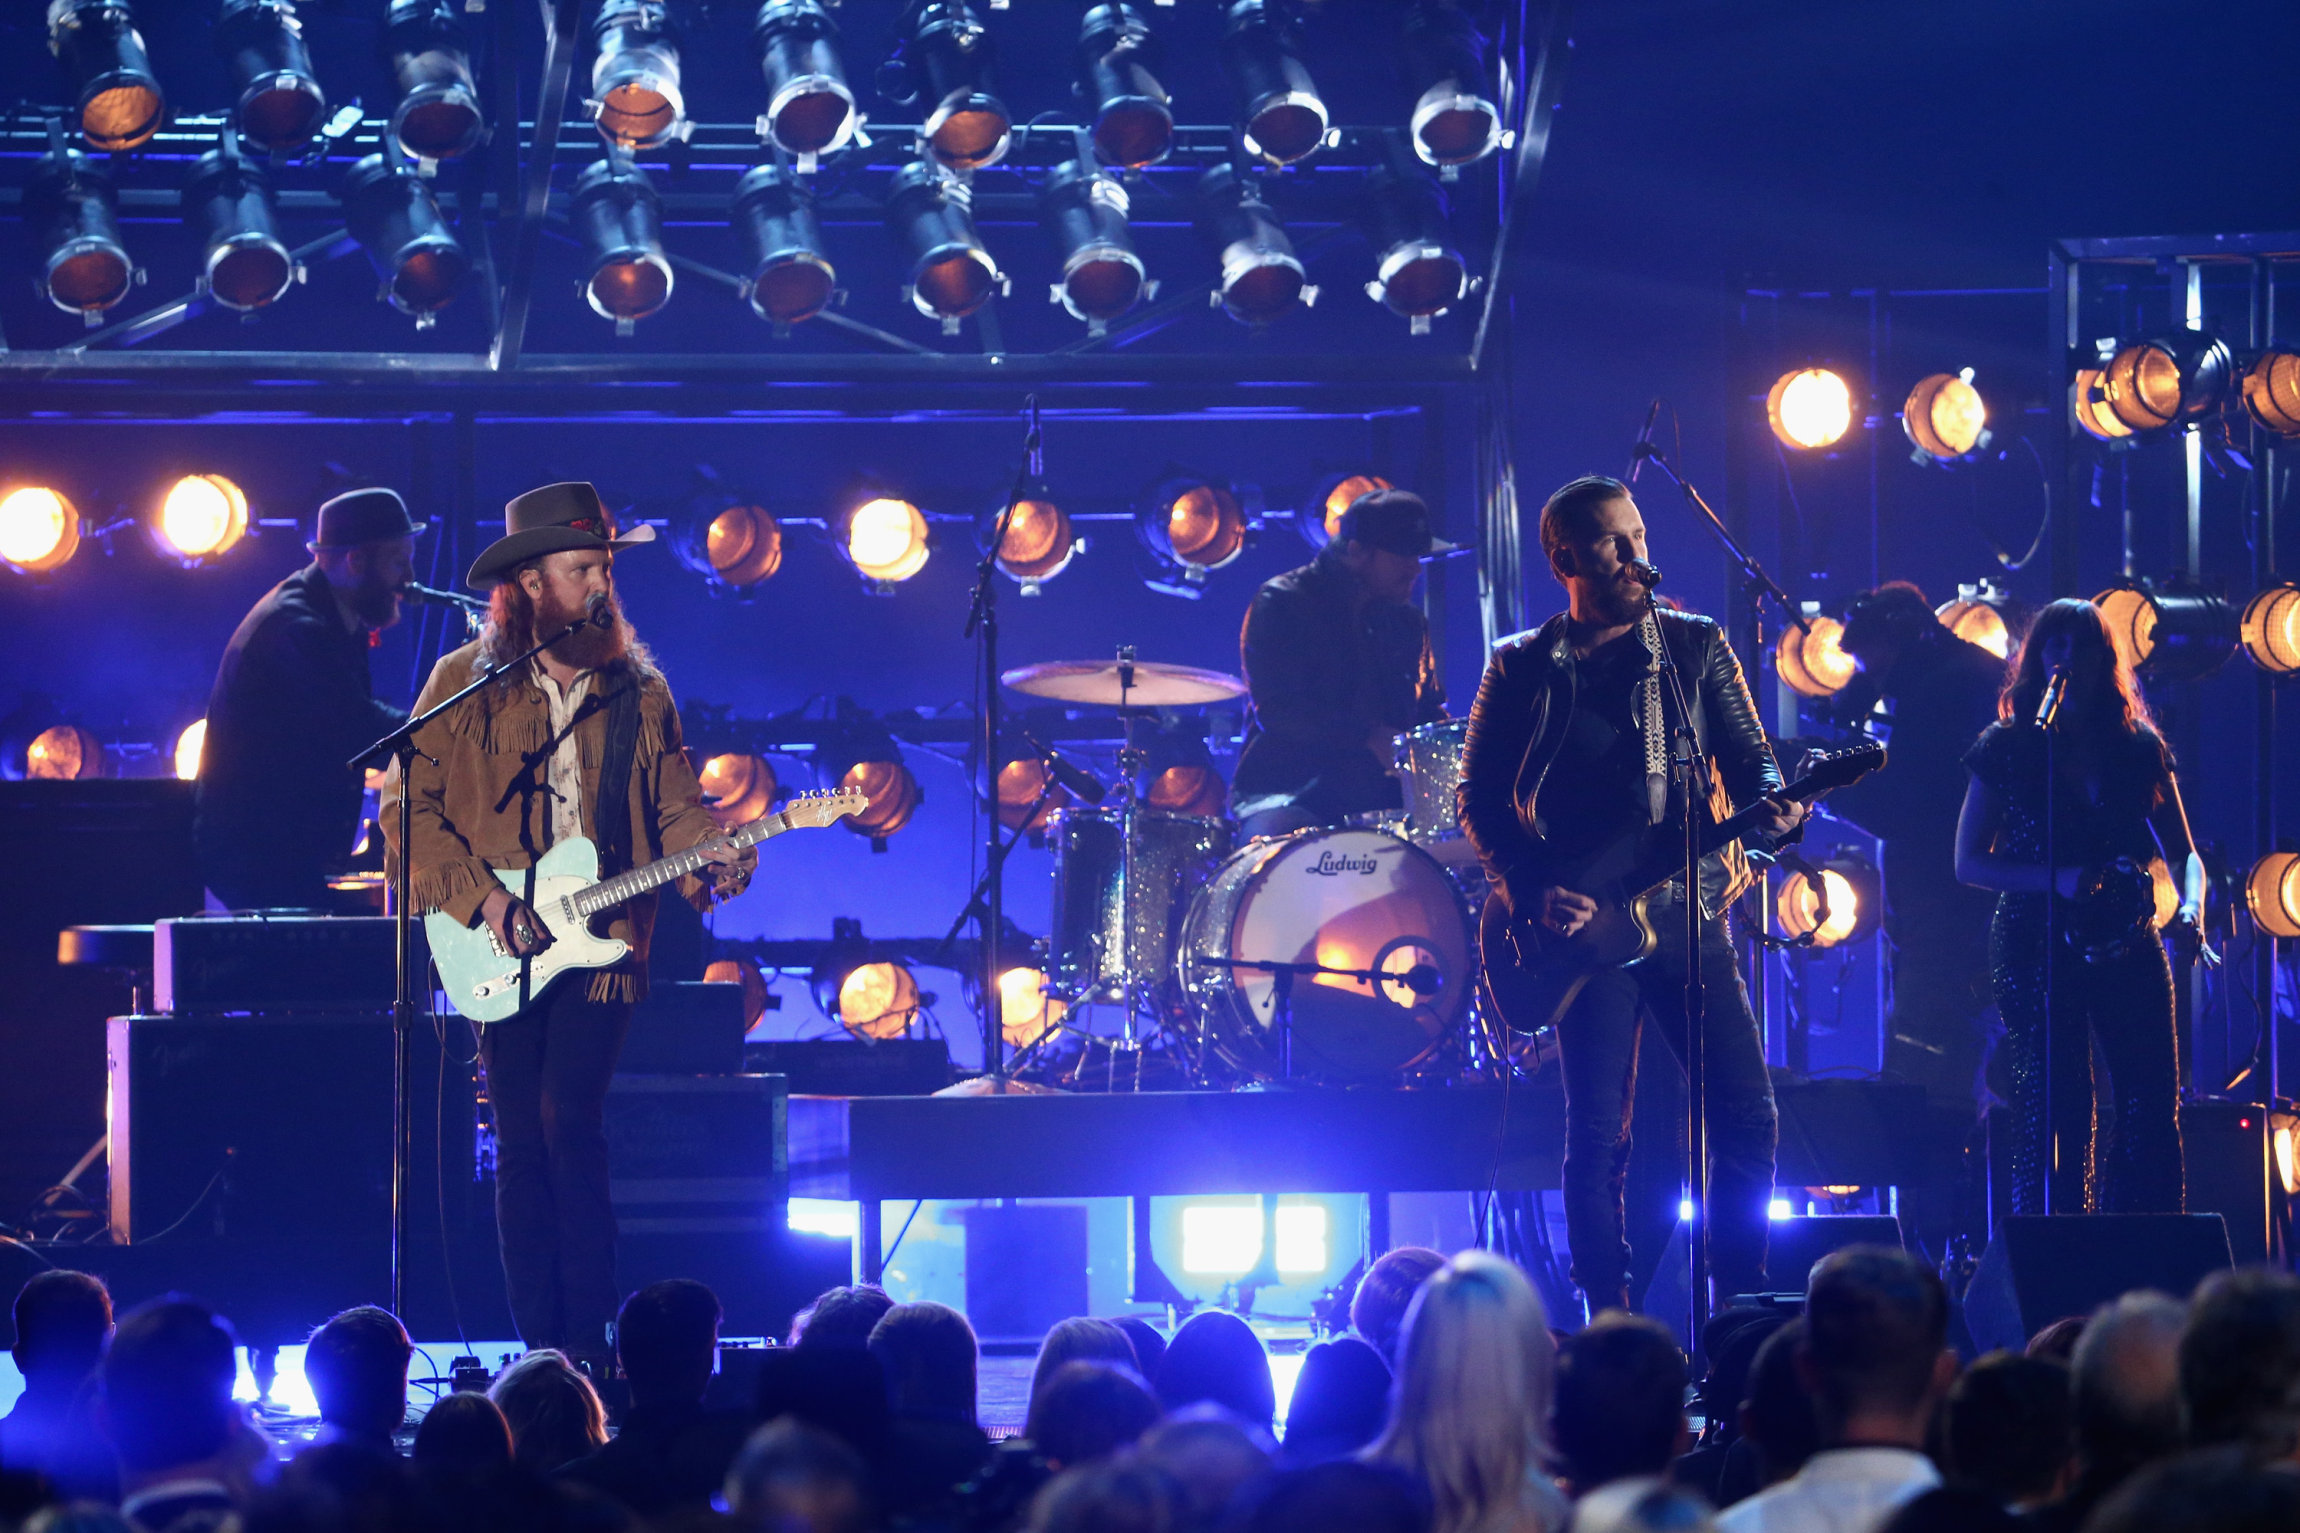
<point>399,745</point>
<point>1759,585</point>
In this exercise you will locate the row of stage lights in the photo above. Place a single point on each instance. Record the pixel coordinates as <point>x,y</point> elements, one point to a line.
<point>947,58</point>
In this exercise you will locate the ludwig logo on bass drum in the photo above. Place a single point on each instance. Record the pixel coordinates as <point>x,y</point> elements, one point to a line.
<point>1334,864</point>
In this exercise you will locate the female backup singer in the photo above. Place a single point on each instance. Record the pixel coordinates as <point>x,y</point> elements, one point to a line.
<point>2074,849</point>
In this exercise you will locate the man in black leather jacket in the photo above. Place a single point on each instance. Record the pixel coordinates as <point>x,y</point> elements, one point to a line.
<point>1566,755</point>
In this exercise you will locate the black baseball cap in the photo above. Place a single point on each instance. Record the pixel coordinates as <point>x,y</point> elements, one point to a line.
<point>1395,521</point>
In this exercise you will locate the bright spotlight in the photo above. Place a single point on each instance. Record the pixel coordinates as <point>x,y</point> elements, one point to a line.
<point>75,216</point>
<point>2151,385</point>
<point>189,745</point>
<point>2178,634</point>
<point>951,274</point>
<point>2090,409</point>
<point>390,211</point>
<point>1779,1209</point>
<point>1262,278</point>
<point>1021,779</point>
<point>1985,614</point>
<point>2272,894</point>
<point>64,752</point>
<point>1220,1237</point>
<point>1039,542</point>
<point>1084,212</point>
<point>885,539</point>
<point>740,787</point>
<point>1320,520</point>
<point>39,530</point>
<point>894,796</point>
<point>246,265</point>
<point>788,277</point>
<point>1810,407</point>
<point>1026,1013</point>
<point>2272,392</point>
<point>119,101</point>
<point>945,63</point>
<point>1812,660</point>
<point>1418,271</point>
<point>2287,1161</point>
<point>619,215</point>
<point>1189,788</point>
<point>1192,526</point>
<point>1837,900</point>
<point>1275,103</point>
<point>437,117</point>
<point>280,103</point>
<point>1455,121</point>
<point>2269,630</point>
<point>635,82</point>
<point>735,545</point>
<point>1944,416</point>
<point>1118,57</point>
<point>810,108</point>
<point>876,1000</point>
<point>202,517</point>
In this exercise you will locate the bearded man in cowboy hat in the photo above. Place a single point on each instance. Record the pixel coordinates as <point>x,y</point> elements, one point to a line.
<point>519,766</point>
<point>277,805</point>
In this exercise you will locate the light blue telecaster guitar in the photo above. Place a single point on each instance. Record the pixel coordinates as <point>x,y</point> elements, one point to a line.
<point>487,984</point>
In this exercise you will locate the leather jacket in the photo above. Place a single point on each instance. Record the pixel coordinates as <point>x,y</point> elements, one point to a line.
<point>1517,726</point>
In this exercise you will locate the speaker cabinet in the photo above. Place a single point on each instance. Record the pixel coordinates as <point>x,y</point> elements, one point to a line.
<point>2038,1270</point>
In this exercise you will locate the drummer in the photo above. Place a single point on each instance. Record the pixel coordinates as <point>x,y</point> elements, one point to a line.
<point>1338,661</point>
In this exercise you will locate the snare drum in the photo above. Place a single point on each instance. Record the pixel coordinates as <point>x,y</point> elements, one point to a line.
<point>1114,920</point>
<point>1428,770</point>
<point>1348,899</point>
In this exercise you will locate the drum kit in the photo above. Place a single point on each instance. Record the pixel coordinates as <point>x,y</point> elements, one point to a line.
<point>1334,955</point>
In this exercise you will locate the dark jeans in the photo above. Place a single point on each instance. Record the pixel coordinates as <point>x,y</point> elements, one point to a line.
<point>1597,1041</point>
<point>547,1071</point>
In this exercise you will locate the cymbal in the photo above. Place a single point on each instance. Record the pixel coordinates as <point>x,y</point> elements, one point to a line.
<point>1095,682</point>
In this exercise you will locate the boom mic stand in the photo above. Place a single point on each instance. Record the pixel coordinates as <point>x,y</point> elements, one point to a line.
<point>399,745</point>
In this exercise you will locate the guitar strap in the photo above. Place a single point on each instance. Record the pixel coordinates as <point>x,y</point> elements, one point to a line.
<point>613,815</point>
<point>1651,726</point>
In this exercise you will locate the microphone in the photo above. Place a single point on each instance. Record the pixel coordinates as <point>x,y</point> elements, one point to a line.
<point>1637,454</point>
<point>599,611</point>
<point>1083,785</point>
<point>1034,441</point>
<point>2048,706</point>
<point>1422,979</point>
<point>442,598</point>
<point>1645,574</point>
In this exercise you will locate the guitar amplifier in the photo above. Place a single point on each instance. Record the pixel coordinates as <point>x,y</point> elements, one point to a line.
<point>837,1067</point>
<point>684,1027</point>
<point>698,1153</point>
<point>276,963</point>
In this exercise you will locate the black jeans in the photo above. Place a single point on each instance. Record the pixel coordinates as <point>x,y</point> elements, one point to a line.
<point>547,1071</point>
<point>1597,1042</point>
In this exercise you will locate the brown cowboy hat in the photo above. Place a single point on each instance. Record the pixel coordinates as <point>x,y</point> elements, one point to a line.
<point>554,519</point>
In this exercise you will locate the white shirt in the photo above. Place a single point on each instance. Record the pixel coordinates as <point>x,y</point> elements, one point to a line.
<point>564,774</point>
<point>1844,1490</point>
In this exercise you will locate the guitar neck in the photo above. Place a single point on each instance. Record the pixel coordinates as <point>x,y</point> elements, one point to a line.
<point>611,892</point>
<point>1658,870</point>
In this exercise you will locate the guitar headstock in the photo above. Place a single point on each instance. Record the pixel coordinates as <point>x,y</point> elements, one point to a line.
<point>1841,768</point>
<point>825,807</point>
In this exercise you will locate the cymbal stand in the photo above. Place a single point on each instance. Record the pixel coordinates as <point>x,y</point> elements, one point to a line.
<point>1131,759</point>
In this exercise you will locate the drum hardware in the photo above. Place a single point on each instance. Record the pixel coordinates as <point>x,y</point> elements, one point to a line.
<point>1422,979</point>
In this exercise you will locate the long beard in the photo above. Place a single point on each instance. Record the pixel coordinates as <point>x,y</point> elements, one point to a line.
<point>590,646</point>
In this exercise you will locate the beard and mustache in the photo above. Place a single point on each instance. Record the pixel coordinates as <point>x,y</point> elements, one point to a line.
<point>1621,600</point>
<point>591,646</point>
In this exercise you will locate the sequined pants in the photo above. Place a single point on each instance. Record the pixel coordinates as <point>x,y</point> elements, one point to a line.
<point>2115,1014</point>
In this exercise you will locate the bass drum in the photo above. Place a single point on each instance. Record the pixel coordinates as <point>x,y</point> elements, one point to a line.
<point>1347,899</point>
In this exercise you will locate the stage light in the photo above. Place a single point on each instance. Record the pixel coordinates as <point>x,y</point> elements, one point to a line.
<point>1026,1013</point>
<point>619,217</point>
<point>741,787</point>
<point>1944,416</point>
<point>829,1217</point>
<point>1276,105</point>
<point>246,265</point>
<point>2272,894</point>
<point>2272,392</point>
<point>75,217</point>
<point>2176,634</point>
<point>1261,276</point>
<point>876,1000</point>
<point>1812,660</point>
<point>734,545</point>
<point>1118,56</point>
<point>951,275</point>
<point>280,103</point>
<point>1321,520</point>
<point>810,108</point>
<point>2287,1162</point>
<point>1192,526</point>
<point>39,530</point>
<point>1984,614</point>
<point>2151,385</point>
<point>1809,407</point>
<point>120,104</point>
<point>190,745</point>
<point>2091,410</point>
<point>1779,1209</point>
<point>1221,1237</point>
<point>437,117</point>
<point>1196,790</point>
<point>884,538</point>
<point>743,972</point>
<point>894,795</point>
<point>1039,542</point>
<point>945,62</point>
<point>201,518</point>
<point>2270,629</point>
<point>1084,212</point>
<point>635,82</point>
<point>64,752</point>
<point>788,277</point>
<point>1020,780</point>
<point>1418,271</point>
<point>390,211</point>
<point>1852,892</point>
<point>1455,121</point>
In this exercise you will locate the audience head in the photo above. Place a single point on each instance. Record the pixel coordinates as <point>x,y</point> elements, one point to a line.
<point>1216,1356</point>
<point>1876,1324</point>
<point>2219,1490</point>
<point>167,1385</point>
<point>1777,1416</point>
<point>1149,1343</point>
<point>2240,1359</point>
<point>667,1339</point>
<point>1379,1306</point>
<point>2125,1380</point>
<point>929,1354</point>
<point>1121,1497</point>
<point>1642,1506</point>
<point>1210,1453</point>
<point>841,1317</point>
<point>1620,1407</point>
<point>357,1366</point>
<point>1082,1339</point>
<point>352,1484</point>
<point>62,1321</point>
<point>1953,1509</point>
<point>78,1517</point>
<point>553,1412</point>
<point>1341,1397</point>
<point>1340,1497</point>
<point>2008,1428</point>
<point>839,1390</point>
<point>1089,1410</point>
<point>464,1435</point>
<point>1470,1410</point>
<point>793,1478</point>
<point>2056,1343</point>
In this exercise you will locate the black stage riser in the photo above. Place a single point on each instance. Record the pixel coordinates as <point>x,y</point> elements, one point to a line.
<point>2040,1270</point>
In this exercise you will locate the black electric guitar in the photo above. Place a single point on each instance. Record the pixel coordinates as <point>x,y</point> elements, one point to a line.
<point>1623,877</point>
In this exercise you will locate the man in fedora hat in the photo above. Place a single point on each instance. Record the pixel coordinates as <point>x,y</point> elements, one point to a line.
<point>278,807</point>
<point>584,741</point>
